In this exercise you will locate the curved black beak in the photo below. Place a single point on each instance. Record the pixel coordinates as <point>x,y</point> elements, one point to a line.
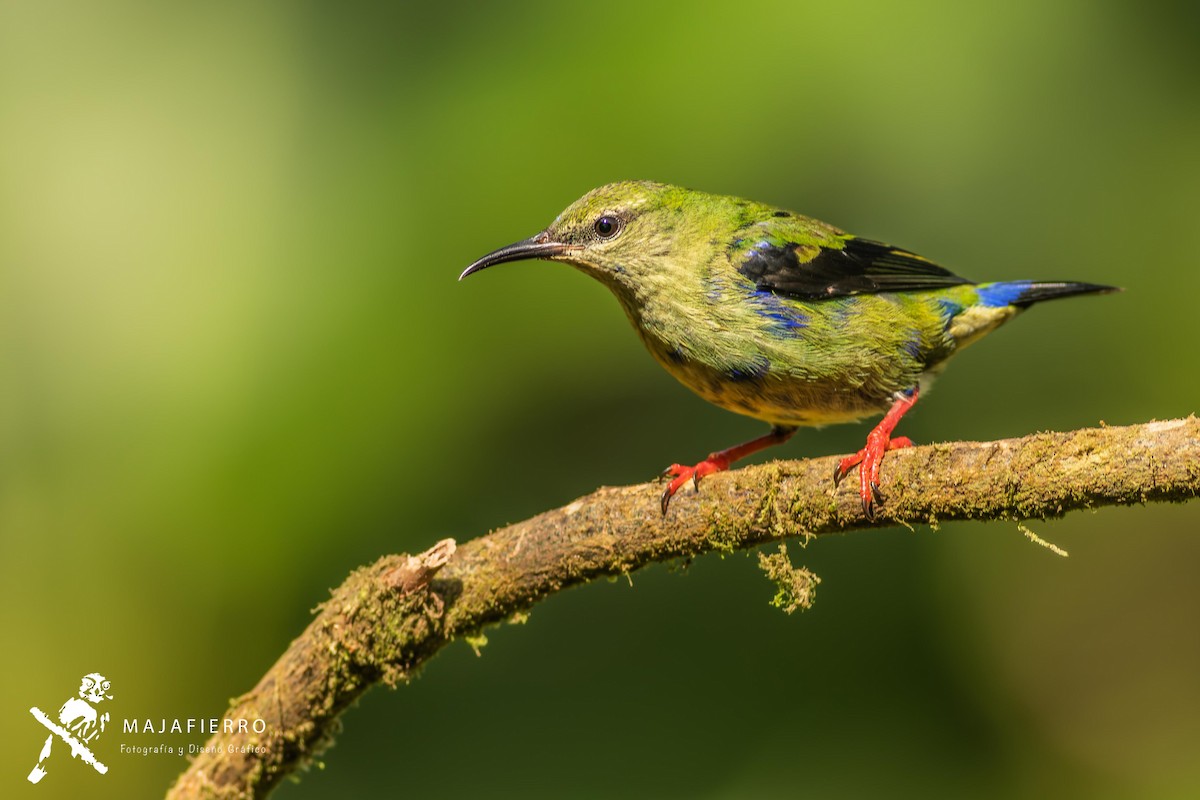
<point>539,246</point>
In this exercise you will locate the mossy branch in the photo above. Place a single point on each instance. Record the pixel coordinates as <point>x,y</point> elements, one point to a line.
<point>387,619</point>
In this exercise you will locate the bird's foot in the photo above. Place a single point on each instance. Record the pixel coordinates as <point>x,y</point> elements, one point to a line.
<point>879,441</point>
<point>720,461</point>
<point>868,460</point>
<point>680,474</point>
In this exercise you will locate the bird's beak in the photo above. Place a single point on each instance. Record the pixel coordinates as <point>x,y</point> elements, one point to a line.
<point>539,246</point>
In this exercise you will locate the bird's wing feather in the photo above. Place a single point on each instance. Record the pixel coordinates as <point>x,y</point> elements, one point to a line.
<point>790,258</point>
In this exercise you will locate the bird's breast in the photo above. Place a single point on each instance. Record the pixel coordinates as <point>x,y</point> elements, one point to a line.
<point>785,362</point>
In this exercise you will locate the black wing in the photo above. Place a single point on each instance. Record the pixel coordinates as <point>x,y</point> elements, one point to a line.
<point>860,267</point>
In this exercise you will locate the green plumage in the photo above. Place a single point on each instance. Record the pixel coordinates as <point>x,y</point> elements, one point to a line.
<point>771,314</point>
<point>772,354</point>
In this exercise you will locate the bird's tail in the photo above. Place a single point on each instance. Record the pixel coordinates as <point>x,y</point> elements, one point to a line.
<point>1023,294</point>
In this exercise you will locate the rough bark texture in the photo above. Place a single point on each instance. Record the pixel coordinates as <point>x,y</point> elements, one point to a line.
<point>390,617</point>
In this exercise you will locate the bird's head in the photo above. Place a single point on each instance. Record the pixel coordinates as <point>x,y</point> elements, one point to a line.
<point>621,234</point>
<point>95,687</point>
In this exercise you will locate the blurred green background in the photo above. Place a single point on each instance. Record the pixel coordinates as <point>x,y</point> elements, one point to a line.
<point>235,364</point>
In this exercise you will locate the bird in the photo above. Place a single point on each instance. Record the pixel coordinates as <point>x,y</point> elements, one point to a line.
<point>777,316</point>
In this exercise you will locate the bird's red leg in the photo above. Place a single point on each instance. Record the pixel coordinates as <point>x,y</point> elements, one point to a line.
<point>868,459</point>
<point>720,461</point>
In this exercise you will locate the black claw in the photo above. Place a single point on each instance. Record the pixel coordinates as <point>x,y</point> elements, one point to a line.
<point>878,495</point>
<point>869,510</point>
<point>695,481</point>
<point>837,475</point>
<point>666,500</point>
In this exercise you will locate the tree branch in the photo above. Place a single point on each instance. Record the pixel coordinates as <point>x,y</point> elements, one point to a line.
<point>387,619</point>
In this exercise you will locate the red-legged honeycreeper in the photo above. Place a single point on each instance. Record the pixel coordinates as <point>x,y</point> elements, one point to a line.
<point>774,315</point>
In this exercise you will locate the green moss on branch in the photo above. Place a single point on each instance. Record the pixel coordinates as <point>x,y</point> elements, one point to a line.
<point>387,619</point>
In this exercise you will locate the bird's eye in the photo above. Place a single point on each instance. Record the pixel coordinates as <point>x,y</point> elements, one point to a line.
<point>607,227</point>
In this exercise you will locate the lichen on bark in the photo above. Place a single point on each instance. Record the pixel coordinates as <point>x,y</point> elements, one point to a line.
<point>387,619</point>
